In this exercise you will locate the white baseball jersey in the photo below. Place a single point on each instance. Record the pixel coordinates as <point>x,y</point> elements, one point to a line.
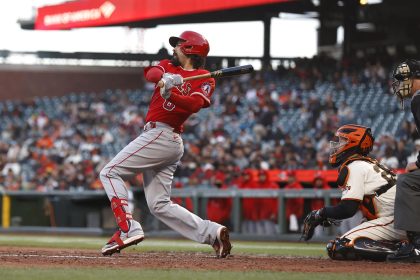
<point>364,179</point>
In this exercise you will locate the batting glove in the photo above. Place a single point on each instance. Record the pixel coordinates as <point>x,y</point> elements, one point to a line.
<point>169,81</point>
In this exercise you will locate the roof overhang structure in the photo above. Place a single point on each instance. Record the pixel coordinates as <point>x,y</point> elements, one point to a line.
<point>149,13</point>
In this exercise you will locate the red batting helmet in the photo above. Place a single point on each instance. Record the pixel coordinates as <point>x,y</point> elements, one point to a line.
<point>191,43</point>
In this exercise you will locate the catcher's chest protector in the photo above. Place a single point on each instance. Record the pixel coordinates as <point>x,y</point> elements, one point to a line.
<point>386,173</point>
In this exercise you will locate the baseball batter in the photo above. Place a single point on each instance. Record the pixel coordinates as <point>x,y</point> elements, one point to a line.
<point>367,185</point>
<point>157,151</point>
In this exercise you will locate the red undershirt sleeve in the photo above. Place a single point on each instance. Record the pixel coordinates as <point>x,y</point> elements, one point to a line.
<point>192,104</point>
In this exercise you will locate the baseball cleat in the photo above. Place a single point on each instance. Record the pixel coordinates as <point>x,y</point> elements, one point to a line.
<point>222,244</point>
<point>407,253</point>
<point>121,240</point>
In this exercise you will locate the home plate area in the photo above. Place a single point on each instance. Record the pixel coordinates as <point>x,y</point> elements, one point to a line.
<point>47,257</point>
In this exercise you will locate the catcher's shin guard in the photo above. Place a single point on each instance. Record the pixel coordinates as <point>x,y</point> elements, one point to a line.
<point>374,250</point>
<point>361,248</point>
<point>121,216</point>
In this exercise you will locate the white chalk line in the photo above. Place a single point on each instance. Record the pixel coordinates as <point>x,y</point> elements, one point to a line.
<point>48,256</point>
<point>113,259</point>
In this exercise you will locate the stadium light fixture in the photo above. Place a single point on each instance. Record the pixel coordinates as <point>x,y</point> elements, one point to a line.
<point>315,3</point>
<point>369,2</point>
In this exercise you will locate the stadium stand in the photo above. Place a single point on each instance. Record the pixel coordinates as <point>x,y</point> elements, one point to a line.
<point>275,119</point>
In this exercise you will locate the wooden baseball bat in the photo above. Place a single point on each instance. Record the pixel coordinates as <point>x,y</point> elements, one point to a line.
<point>225,72</point>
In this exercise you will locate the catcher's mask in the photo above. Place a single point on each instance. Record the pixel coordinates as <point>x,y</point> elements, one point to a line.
<point>403,77</point>
<point>350,139</point>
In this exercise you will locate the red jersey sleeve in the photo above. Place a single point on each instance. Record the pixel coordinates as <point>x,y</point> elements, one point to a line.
<point>154,73</point>
<point>190,103</point>
<point>205,90</point>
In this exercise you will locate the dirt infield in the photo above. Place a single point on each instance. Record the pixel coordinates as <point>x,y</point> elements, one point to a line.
<point>41,257</point>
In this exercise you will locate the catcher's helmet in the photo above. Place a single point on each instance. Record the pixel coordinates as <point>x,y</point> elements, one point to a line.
<point>403,76</point>
<point>352,139</point>
<point>191,43</point>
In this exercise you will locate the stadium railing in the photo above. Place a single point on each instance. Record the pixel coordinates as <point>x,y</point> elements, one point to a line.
<point>86,212</point>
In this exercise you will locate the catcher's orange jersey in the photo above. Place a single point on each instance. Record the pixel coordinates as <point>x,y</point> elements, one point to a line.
<point>161,110</point>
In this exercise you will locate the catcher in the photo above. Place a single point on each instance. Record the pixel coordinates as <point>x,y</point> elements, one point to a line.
<point>367,185</point>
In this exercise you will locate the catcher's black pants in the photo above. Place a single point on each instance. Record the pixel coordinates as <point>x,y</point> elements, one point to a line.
<point>407,202</point>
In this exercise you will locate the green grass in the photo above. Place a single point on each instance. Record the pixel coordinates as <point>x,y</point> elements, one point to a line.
<point>112,274</point>
<point>239,247</point>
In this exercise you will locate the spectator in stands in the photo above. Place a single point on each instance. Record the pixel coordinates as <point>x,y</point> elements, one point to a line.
<point>13,153</point>
<point>267,208</point>
<point>404,131</point>
<point>240,158</point>
<point>11,181</point>
<point>389,159</point>
<point>319,183</point>
<point>249,205</point>
<point>45,142</point>
<point>219,209</point>
<point>294,206</point>
<point>345,113</point>
<point>2,185</point>
<point>413,156</point>
<point>11,168</point>
<point>403,151</point>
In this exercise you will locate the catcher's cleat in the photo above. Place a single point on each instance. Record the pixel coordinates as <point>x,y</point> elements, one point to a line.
<point>222,244</point>
<point>121,240</point>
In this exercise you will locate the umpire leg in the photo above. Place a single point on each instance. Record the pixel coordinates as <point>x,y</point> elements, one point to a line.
<point>407,202</point>
<point>407,216</point>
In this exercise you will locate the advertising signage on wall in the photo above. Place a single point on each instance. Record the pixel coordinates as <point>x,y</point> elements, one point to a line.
<point>89,13</point>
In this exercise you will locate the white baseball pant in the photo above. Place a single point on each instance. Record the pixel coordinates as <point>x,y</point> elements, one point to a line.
<point>381,228</point>
<point>156,153</point>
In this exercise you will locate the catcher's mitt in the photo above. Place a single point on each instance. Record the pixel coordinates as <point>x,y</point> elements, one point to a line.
<point>312,220</point>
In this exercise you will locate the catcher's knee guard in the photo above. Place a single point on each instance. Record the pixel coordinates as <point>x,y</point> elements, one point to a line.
<point>360,248</point>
